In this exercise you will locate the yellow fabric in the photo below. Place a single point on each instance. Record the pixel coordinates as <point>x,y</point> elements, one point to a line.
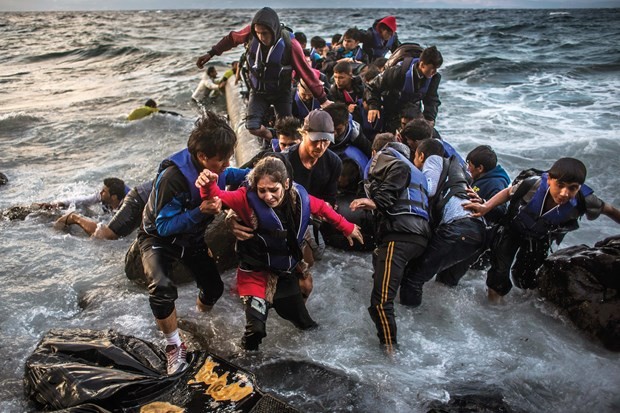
<point>142,112</point>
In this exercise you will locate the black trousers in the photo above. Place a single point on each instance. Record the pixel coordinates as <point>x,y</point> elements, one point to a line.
<point>259,105</point>
<point>157,260</point>
<point>527,254</point>
<point>390,260</point>
<point>288,303</point>
<point>450,252</point>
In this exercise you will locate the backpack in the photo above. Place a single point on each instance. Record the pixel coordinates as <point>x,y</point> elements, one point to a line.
<point>404,51</point>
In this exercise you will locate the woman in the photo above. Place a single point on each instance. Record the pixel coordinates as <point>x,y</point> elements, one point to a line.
<point>269,262</point>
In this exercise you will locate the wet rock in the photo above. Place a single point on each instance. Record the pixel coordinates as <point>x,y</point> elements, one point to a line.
<point>472,398</point>
<point>3,179</point>
<point>584,282</point>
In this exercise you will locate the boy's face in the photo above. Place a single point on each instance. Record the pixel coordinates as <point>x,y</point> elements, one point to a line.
<point>304,94</point>
<point>285,142</point>
<point>349,44</point>
<point>418,159</point>
<point>216,163</point>
<point>342,80</point>
<point>427,70</point>
<point>474,171</point>
<point>562,192</point>
<point>264,34</point>
<point>385,32</point>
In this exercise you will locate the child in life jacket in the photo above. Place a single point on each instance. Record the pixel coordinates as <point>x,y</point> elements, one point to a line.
<point>542,208</point>
<point>271,261</point>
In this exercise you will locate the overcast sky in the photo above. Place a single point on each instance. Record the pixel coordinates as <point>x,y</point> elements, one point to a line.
<point>40,5</point>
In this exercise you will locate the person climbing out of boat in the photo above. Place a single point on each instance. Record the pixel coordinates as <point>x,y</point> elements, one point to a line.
<point>272,55</point>
<point>543,208</point>
<point>173,226</point>
<point>150,107</point>
<point>410,84</point>
<point>396,190</point>
<point>457,233</point>
<point>380,38</point>
<point>278,210</point>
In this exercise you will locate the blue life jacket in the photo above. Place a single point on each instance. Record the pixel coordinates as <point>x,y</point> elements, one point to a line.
<point>355,54</point>
<point>413,200</point>
<point>274,72</point>
<point>268,249</point>
<point>302,109</point>
<point>378,48</point>
<point>531,222</point>
<point>356,155</point>
<point>346,139</point>
<point>275,145</point>
<point>450,151</point>
<point>183,161</point>
<point>370,129</point>
<point>408,92</point>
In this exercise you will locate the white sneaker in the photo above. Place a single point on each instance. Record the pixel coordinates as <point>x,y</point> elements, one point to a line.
<point>177,358</point>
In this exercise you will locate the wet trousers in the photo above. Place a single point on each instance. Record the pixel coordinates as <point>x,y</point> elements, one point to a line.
<point>288,303</point>
<point>450,252</point>
<point>527,254</point>
<point>157,260</point>
<point>390,260</point>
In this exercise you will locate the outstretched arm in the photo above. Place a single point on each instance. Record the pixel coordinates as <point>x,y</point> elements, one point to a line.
<point>499,198</point>
<point>612,212</point>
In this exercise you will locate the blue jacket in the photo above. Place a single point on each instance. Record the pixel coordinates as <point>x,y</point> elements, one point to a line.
<point>488,185</point>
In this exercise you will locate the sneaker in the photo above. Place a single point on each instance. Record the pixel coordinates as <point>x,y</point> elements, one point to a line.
<point>177,358</point>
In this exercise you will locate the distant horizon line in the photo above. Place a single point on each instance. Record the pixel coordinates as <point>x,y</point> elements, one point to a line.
<point>322,8</point>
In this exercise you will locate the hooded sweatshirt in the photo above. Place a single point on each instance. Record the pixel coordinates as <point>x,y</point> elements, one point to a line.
<point>490,183</point>
<point>269,18</point>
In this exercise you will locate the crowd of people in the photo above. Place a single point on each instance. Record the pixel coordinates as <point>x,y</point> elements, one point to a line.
<point>339,121</point>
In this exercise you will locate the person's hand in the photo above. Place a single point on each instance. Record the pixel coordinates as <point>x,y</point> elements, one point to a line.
<point>306,285</point>
<point>240,231</point>
<point>205,177</point>
<point>477,209</point>
<point>351,107</point>
<point>46,205</point>
<point>362,203</point>
<point>473,196</point>
<point>326,103</point>
<point>373,115</point>
<point>211,206</point>
<point>356,235</point>
<point>64,221</point>
<point>202,60</point>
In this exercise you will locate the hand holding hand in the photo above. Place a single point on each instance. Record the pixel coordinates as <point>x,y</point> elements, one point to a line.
<point>205,177</point>
<point>211,206</point>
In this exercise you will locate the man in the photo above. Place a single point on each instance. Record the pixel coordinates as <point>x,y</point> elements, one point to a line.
<point>410,84</point>
<point>126,219</point>
<point>273,53</point>
<point>173,226</point>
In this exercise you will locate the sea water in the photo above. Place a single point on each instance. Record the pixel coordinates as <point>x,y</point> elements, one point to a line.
<point>534,84</point>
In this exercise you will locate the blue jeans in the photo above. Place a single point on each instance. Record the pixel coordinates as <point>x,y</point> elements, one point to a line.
<point>451,245</point>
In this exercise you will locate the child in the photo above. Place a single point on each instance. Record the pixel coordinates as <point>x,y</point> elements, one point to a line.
<point>350,51</point>
<point>347,89</point>
<point>489,178</point>
<point>397,190</point>
<point>279,211</point>
<point>542,208</point>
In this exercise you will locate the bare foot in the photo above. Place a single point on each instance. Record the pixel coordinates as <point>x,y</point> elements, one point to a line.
<point>494,296</point>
